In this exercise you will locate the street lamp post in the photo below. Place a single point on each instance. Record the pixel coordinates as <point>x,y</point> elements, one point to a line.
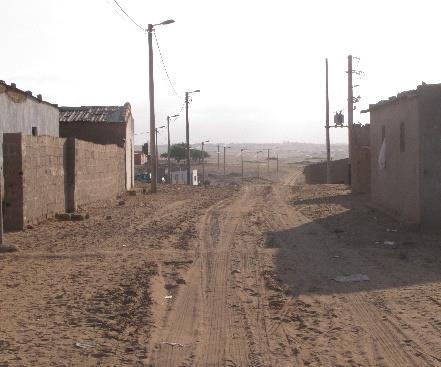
<point>168,147</point>
<point>258,164</point>
<point>150,30</point>
<point>241,159</point>
<point>203,162</point>
<point>156,152</point>
<point>187,134</point>
<point>225,149</point>
<point>268,164</point>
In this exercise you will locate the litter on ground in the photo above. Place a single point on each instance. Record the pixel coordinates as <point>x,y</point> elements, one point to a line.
<point>352,278</point>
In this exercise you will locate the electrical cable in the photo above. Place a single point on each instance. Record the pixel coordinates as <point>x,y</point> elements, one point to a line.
<point>165,67</point>
<point>128,16</point>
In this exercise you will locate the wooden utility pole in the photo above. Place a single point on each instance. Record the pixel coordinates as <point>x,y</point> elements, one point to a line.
<point>152,112</point>
<point>350,112</point>
<point>187,136</point>
<point>277,164</point>
<point>328,143</point>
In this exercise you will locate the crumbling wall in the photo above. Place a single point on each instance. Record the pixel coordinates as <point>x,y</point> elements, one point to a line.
<point>361,159</point>
<point>316,173</point>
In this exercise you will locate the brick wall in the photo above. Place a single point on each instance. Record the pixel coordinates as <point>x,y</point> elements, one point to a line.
<point>316,173</point>
<point>45,175</point>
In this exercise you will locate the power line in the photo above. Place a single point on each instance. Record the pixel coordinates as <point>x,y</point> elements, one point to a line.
<point>128,16</point>
<point>165,67</point>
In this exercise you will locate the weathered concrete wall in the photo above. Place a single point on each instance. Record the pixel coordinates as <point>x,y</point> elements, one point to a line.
<point>19,112</point>
<point>45,175</point>
<point>13,178</point>
<point>429,111</point>
<point>316,173</point>
<point>99,172</point>
<point>35,174</point>
<point>120,134</point>
<point>396,187</point>
<point>360,155</point>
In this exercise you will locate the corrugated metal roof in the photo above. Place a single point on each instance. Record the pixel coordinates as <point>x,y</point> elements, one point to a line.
<point>95,113</point>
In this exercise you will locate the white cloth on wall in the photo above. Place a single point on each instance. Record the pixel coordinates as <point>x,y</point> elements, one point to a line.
<point>382,155</point>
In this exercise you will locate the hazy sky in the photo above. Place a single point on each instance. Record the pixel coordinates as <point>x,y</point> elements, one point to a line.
<point>259,64</point>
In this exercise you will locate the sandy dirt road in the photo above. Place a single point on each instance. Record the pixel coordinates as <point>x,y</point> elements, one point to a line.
<point>223,277</point>
<point>262,293</point>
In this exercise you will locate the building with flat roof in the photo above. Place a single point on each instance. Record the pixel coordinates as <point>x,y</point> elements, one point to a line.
<point>102,125</point>
<point>405,145</point>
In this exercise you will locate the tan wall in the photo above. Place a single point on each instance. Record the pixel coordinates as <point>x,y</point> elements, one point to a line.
<point>360,156</point>
<point>430,153</point>
<point>35,169</point>
<point>316,173</point>
<point>396,188</point>
<point>45,175</point>
<point>99,172</point>
<point>120,134</point>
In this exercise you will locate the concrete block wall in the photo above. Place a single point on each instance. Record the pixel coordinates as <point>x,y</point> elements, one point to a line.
<point>13,182</point>
<point>45,175</point>
<point>316,173</point>
<point>99,172</point>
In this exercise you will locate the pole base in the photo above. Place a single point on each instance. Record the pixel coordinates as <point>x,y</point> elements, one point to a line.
<point>8,248</point>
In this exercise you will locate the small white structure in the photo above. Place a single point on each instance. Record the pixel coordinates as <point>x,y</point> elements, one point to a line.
<point>180,178</point>
<point>195,177</point>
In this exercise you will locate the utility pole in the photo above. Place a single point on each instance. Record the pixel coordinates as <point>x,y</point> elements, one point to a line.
<point>203,162</point>
<point>218,157</point>
<point>156,154</point>
<point>328,143</point>
<point>225,148</point>
<point>277,164</point>
<point>350,112</point>
<point>168,150</point>
<point>168,147</point>
<point>268,158</point>
<point>241,160</point>
<point>187,137</point>
<point>152,112</point>
<point>258,163</point>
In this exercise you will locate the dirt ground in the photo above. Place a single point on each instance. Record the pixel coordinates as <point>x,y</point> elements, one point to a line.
<point>228,275</point>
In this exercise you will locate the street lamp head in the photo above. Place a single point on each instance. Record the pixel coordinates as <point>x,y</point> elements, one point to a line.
<point>207,141</point>
<point>168,21</point>
<point>175,116</point>
<point>196,91</point>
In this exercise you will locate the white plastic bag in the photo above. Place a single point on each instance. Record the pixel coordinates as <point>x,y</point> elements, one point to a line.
<point>382,155</point>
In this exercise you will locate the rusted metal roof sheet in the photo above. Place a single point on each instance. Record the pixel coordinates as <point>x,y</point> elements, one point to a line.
<point>94,114</point>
